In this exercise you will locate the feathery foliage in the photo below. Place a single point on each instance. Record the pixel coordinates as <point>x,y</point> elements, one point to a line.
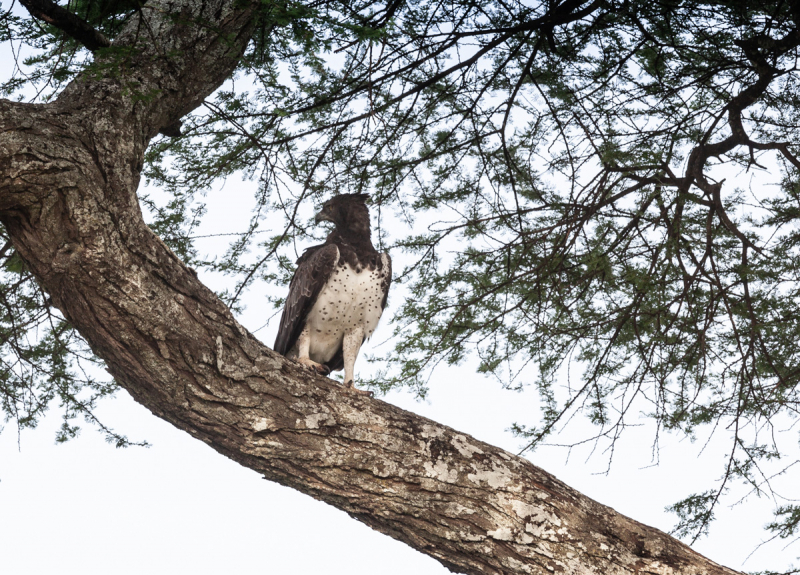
<point>611,183</point>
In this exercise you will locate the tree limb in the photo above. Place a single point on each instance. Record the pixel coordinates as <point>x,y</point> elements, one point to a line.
<point>70,23</point>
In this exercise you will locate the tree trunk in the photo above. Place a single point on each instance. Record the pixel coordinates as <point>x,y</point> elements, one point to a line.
<point>68,178</point>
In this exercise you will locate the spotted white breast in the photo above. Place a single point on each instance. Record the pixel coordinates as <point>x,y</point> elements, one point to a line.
<point>348,300</point>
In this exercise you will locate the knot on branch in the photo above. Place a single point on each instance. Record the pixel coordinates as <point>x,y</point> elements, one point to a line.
<point>172,130</point>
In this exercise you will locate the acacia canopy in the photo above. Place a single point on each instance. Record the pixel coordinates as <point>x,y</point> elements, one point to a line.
<point>609,183</point>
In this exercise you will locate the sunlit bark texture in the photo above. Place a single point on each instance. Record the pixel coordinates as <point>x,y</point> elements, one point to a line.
<point>69,175</point>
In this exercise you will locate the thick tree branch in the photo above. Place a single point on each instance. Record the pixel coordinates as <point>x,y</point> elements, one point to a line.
<point>68,178</point>
<point>64,20</point>
<point>699,156</point>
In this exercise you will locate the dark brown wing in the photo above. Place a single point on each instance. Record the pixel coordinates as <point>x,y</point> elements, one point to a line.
<point>314,268</point>
<point>336,363</point>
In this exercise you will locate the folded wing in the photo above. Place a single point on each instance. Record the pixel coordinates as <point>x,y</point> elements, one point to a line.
<point>314,268</point>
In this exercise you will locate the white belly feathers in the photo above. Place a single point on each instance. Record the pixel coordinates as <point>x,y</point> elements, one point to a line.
<point>348,300</point>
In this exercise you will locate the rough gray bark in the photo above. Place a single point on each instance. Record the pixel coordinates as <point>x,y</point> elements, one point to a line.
<point>68,178</point>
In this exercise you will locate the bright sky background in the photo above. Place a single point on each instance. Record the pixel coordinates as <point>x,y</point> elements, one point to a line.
<point>179,507</point>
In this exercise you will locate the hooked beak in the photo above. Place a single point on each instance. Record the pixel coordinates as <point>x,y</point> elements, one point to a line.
<point>321,217</point>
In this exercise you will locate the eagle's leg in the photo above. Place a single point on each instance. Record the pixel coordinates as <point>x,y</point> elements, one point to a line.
<point>302,346</point>
<point>350,346</point>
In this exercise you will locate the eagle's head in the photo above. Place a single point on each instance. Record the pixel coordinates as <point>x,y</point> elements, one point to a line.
<point>348,212</point>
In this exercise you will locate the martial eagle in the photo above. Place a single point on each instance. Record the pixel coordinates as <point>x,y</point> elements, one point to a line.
<point>337,294</point>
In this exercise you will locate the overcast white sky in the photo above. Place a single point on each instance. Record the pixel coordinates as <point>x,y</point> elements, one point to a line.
<point>88,508</point>
<point>179,507</point>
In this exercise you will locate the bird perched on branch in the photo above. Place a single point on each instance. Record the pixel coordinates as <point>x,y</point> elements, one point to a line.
<point>337,294</point>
